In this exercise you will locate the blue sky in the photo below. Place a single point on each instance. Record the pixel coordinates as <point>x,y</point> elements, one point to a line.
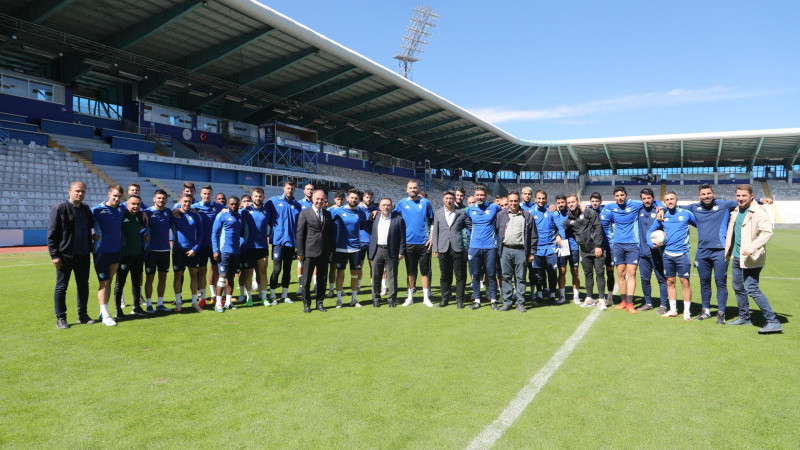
<point>581,69</point>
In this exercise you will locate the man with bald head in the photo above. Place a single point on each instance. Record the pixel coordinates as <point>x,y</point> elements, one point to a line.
<point>69,237</point>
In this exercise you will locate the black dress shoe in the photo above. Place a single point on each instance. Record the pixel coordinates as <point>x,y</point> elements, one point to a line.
<point>460,305</point>
<point>475,305</point>
<point>306,309</point>
<point>494,306</point>
<point>138,311</point>
<point>86,320</point>
<point>391,303</point>
<point>376,304</point>
<point>505,307</point>
<point>61,323</point>
<point>321,308</point>
<point>120,316</point>
<point>442,304</point>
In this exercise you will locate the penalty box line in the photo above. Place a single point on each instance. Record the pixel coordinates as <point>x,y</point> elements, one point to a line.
<point>495,430</point>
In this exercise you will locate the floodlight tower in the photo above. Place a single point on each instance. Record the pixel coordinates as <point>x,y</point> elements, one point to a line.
<point>423,21</point>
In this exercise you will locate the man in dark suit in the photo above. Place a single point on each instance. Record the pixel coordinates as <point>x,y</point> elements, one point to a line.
<point>448,245</point>
<point>387,245</point>
<point>315,245</point>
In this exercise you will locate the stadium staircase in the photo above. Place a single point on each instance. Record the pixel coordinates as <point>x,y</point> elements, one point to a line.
<point>93,169</point>
<point>765,186</point>
<point>663,188</point>
<point>169,146</point>
<point>159,185</point>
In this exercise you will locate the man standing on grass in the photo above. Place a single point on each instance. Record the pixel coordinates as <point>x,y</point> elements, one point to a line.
<point>157,254</point>
<point>386,248</point>
<point>573,259</point>
<point>749,230</point>
<point>135,235</point>
<point>187,231</point>
<point>69,237</point>
<point>284,210</point>
<point>651,260</point>
<point>483,247</point>
<point>595,202</point>
<point>107,237</point>
<point>305,203</point>
<point>348,222</point>
<point>449,224</point>
<point>226,235</point>
<point>208,209</point>
<point>338,202</point>
<point>257,219</point>
<point>675,222</point>
<point>417,213</point>
<point>545,263</point>
<point>517,238</point>
<point>370,209</point>
<point>315,245</point>
<point>585,226</point>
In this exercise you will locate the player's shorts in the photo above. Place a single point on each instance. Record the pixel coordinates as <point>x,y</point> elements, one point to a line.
<point>180,261</point>
<point>204,255</point>
<point>418,255</point>
<point>626,254</point>
<point>103,262</point>
<point>250,257</point>
<point>156,261</point>
<point>677,265</point>
<point>283,252</point>
<point>363,252</point>
<point>544,261</point>
<point>342,258</point>
<point>573,259</point>
<point>229,263</point>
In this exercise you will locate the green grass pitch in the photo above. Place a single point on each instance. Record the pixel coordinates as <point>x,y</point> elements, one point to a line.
<point>404,377</point>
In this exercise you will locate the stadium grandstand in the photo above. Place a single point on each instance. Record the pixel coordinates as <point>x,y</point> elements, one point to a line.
<point>234,94</point>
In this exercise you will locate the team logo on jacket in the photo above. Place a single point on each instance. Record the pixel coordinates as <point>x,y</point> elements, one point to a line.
<point>420,205</point>
<point>581,217</point>
<point>680,219</point>
<point>652,215</point>
<point>715,207</point>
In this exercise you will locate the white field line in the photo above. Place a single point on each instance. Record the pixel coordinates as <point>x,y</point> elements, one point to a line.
<point>495,430</point>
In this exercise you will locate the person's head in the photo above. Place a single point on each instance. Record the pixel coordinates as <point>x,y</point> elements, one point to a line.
<point>188,188</point>
<point>423,194</point>
<point>527,194</point>
<point>561,202</point>
<point>77,191</point>
<point>497,201</point>
<point>134,188</point>
<point>595,199</point>
<point>353,197</point>
<point>258,196</point>
<point>744,195</point>
<point>233,204</point>
<point>460,195</point>
<point>207,194</point>
<point>620,194</point>
<point>479,192</point>
<point>647,197</point>
<point>318,198</point>
<point>512,200</point>
<point>449,199</point>
<point>671,199</point>
<point>220,198</point>
<point>186,202</point>
<point>385,206</point>
<point>471,200</point>
<point>367,197</point>
<point>308,191</point>
<point>246,201</point>
<point>706,194</point>
<point>160,199</point>
<point>541,198</point>
<point>503,202</point>
<point>134,204</point>
<point>572,202</point>
<point>288,189</point>
<point>338,198</point>
<point>412,188</point>
<point>114,195</point>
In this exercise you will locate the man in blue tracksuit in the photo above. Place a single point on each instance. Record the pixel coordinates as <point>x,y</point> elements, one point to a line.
<point>226,234</point>
<point>187,232</point>
<point>675,222</point>
<point>348,222</point>
<point>208,209</point>
<point>107,225</point>
<point>371,210</point>
<point>650,259</point>
<point>156,257</point>
<point>545,261</point>
<point>573,259</point>
<point>257,217</point>
<point>712,217</point>
<point>284,210</point>
<point>482,254</point>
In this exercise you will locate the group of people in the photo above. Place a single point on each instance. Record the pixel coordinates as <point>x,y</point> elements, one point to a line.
<point>517,240</point>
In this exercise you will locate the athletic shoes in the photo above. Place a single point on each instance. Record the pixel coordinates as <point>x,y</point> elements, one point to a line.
<point>338,303</point>
<point>330,294</point>
<point>645,307</point>
<point>560,301</point>
<point>287,300</point>
<point>109,322</point>
<point>249,302</point>
<point>427,303</point>
<point>704,314</point>
<point>138,311</point>
<point>687,316</point>
<point>355,304</point>
<point>770,327</point>
<point>61,323</point>
<point>230,306</point>
<point>162,308</point>
<point>201,303</point>
<point>408,302</point>
<point>267,303</point>
<point>588,303</point>
<point>150,309</point>
<point>475,305</point>
<point>740,321</point>
<point>197,307</point>
<point>274,303</point>
<point>670,313</point>
<point>520,307</point>
<point>576,300</point>
<point>86,320</point>
<point>661,310</point>
<point>601,305</point>
<point>629,307</point>
<point>720,318</point>
<point>621,305</point>
<point>219,308</point>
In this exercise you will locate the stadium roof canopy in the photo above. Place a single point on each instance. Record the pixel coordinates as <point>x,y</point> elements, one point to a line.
<point>240,60</point>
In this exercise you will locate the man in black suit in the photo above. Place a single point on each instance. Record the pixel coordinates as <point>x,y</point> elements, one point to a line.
<point>387,245</point>
<point>448,246</point>
<point>315,245</point>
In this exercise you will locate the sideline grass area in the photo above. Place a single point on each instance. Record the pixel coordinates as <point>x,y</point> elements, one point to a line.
<point>404,377</point>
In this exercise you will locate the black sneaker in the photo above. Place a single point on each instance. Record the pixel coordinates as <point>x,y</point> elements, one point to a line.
<point>61,323</point>
<point>661,310</point>
<point>475,305</point>
<point>505,307</point>
<point>120,316</point>
<point>704,315</point>
<point>645,307</point>
<point>494,306</point>
<point>86,320</point>
<point>720,318</point>
<point>138,311</point>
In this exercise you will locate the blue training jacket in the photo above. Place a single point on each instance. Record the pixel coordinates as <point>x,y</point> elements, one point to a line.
<point>258,222</point>
<point>484,220</point>
<point>547,229</point>
<point>208,211</point>
<point>107,225</point>
<point>226,233</point>
<point>620,222</point>
<point>676,225</point>
<point>160,223</point>
<point>284,220</point>
<point>187,230</point>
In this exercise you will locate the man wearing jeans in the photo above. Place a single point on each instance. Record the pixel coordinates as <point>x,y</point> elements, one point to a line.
<point>517,238</point>
<point>749,230</point>
<point>68,241</point>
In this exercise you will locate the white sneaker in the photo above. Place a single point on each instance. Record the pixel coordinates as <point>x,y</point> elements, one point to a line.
<point>576,300</point>
<point>408,302</point>
<point>357,305</point>
<point>601,305</point>
<point>384,291</point>
<point>274,302</point>
<point>219,308</point>
<point>427,303</point>
<point>687,316</point>
<point>109,322</point>
<point>670,313</point>
<point>286,300</point>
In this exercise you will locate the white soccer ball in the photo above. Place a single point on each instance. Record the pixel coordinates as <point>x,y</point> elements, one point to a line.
<point>658,237</point>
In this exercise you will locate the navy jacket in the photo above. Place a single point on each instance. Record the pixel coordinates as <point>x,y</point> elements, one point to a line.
<point>397,236</point>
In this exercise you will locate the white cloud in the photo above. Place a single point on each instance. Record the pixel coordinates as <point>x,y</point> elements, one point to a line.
<point>496,114</point>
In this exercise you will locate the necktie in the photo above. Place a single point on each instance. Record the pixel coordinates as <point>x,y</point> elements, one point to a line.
<point>319,217</point>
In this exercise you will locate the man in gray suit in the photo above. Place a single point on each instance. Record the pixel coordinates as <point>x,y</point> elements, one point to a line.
<point>448,246</point>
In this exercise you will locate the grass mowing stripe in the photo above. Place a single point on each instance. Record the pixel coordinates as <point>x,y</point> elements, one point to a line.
<point>525,396</point>
<point>25,265</point>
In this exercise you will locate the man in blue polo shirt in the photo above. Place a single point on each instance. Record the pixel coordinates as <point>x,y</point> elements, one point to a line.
<point>226,235</point>
<point>371,210</point>
<point>107,224</point>
<point>675,222</point>
<point>545,261</point>
<point>208,209</point>
<point>284,210</point>
<point>257,217</point>
<point>650,259</point>
<point>348,221</point>
<point>482,254</point>
<point>417,213</point>
<point>573,259</point>
<point>156,257</point>
<point>187,233</point>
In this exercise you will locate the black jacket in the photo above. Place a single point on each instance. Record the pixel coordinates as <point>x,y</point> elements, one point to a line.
<point>396,241</point>
<point>586,227</point>
<point>313,241</point>
<point>61,229</point>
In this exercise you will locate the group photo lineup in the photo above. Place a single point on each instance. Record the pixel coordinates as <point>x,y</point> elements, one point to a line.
<point>266,224</point>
